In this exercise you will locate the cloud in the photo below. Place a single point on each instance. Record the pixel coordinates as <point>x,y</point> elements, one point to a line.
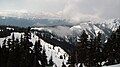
<point>79,10</point>
<point>33,5</point>
<point>76,10</point>
<point>61,31</point>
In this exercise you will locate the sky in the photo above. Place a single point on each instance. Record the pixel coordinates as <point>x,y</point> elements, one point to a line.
<point>72,9</point>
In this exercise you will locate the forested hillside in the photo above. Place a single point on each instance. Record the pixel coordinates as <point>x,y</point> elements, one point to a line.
<point>28,51</point>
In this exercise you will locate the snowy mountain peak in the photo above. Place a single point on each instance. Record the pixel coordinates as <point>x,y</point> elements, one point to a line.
<point>29,14</point>
<point>92,28</point>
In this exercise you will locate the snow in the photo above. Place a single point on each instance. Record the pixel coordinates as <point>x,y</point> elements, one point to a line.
<point>41,28</point>
<point>51,52</point>
<point>118,65</point>
<point>37,28</point>
<point>92,28</point>
<point>97,30</point>
<point>1,41</point>
<point>10,28</point>
<point>55,53</point>
<point>16,34</point>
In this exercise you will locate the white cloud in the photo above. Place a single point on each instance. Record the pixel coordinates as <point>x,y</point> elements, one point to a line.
<point>92,9</point>
<point>73,9</point>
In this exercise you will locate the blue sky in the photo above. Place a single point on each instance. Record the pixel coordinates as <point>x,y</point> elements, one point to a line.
<point>75,9</point>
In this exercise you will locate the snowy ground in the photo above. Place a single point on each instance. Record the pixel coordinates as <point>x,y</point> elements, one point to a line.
<point>56,52</point>
<point>118,65</point>
<point>16,34</point>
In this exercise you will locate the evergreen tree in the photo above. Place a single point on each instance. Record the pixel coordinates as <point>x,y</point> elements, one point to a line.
<point>51,63</point>
<point>81,65</point>
<point>44,59</point>
<point>112,48</point>
<point>13,37</point>
<point>81,48</point>
<point>38,47</point>
<point>72,59</point>
<point>98,50</point>
<point>55,65</point>
<point>4,55</point>
<point>0,56</point>
<point>63,65</point>
<point>37,51</point>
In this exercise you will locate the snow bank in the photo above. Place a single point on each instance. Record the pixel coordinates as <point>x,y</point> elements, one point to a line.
<point>117,65</point>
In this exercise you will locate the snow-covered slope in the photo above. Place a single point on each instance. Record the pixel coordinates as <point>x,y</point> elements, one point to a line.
<point>16,34</point>
<point>117,65</point>
<point>92,28</point>
<point>105,27</point>
<point>55,53</point>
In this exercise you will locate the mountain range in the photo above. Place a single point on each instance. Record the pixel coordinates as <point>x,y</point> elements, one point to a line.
<point>60,26</point>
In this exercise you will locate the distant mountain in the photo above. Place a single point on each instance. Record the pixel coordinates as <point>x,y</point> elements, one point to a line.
<point>26,18</point>
<point>59,26</point>
<point>92,28</point>
<point>25,22</point>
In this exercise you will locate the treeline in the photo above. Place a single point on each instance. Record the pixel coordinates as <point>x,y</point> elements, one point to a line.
<point>93,53</point>
<point>23,53</point>
<point>7,30</point>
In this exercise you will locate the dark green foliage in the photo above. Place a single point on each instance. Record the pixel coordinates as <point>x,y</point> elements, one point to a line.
<point>7,30</point>
<point>4,32</point>
<point>112,48</point>
<point>81,65</point>
<point>61,57</point>
<point>51,63</point>
<point>18,53</point>
<point>93,52</point>
<point>44,58</point>
<point>90,52</point>
<point>63,65</point>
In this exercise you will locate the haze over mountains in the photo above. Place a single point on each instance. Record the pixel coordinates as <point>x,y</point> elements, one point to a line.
<point>59,25</point>
<point>25,19</point>
<point>28,18</point>
<point>22,22</point>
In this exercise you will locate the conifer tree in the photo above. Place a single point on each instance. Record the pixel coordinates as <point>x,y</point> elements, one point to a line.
<point>44,58</point>
<point>4,55</point>
<point>81,65</point>
<point>63,65</point>
<point>37,51</point>
<point>72,59</point>
<point>13,37</point>
<point>51,63</point>
<point>81,48</point>
<point>112,48</point>
<point>98,49</point>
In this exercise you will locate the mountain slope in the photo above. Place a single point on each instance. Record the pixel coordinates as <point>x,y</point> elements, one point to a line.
<point>91,28</point>
<point>55,53</point>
